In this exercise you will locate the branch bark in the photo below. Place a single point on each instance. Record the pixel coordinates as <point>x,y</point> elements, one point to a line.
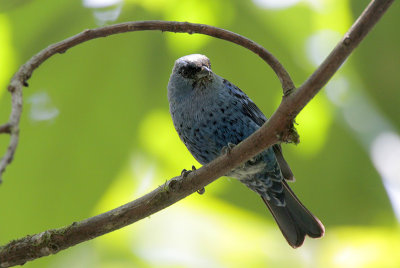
<point>277,128</point>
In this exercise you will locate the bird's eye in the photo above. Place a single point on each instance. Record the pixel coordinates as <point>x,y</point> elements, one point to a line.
<point>190,71</point>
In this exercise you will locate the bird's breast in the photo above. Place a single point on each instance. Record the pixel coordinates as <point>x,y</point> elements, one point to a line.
<point>206,124</point>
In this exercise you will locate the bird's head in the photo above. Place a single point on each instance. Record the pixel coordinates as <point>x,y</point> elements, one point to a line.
<point>193,67</point>
<point>189,72</point>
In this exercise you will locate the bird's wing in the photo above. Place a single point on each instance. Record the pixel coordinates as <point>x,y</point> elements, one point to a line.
<point>251,110</point>
<point>248,106</point>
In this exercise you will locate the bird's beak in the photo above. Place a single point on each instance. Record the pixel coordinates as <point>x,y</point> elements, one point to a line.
<point>204,72</point>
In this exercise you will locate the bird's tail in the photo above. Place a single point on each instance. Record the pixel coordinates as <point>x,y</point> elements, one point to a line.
<point>294,219</point>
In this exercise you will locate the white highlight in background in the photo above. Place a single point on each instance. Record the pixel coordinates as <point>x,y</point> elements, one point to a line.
<point>275,4</point>
<point>385,154</point>
<point>104,11</point>
<point>42,109</point>
<point>143,171</point>
<point>100,3</point>
<point>320,44</point>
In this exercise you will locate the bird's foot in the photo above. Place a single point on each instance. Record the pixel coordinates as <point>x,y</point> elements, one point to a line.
<point>201,191</point>
<point>185,172</point>
<point>253,160</point>
<point>227,149</point>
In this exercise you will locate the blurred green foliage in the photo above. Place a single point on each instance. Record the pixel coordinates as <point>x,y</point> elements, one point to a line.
<point>96,133</point>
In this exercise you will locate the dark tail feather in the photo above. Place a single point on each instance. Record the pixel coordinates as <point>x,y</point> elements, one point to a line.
<point>294,219</point>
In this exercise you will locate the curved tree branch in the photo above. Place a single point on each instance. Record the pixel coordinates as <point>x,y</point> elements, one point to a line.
<point>276,129</point>
<point>26,70</point>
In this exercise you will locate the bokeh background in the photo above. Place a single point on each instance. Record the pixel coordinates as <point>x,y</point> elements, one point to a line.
<point>96,133</point>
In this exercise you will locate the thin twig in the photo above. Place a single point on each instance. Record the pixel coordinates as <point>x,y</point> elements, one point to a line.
<point>24,73</point>
<point>52,241</point>
<point>12,127</point>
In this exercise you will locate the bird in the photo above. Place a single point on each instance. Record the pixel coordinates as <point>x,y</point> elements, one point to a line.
<point>211,115</point>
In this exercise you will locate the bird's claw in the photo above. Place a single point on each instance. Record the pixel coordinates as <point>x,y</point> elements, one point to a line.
<point>201,191</point>
<point>184,173</point>
<point>253,160</point>
<point>227,149</point>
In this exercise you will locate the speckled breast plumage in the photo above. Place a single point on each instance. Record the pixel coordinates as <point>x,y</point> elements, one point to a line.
<point>218,118</point>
